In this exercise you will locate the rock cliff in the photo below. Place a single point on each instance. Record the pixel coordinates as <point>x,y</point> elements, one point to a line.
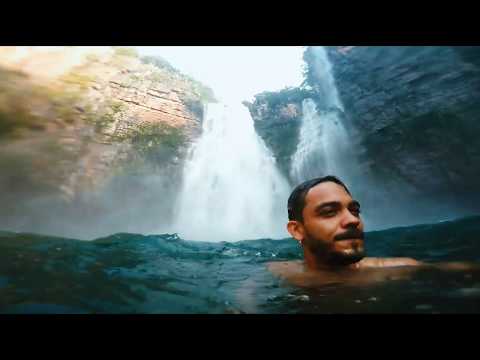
<point>412,117</point>
<point>77,124</point>
<point>416,111</point>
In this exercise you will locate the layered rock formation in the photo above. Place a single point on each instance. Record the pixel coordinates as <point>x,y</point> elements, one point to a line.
<point>79,123</point>
<point>277,118</point>
<point>416,111</point>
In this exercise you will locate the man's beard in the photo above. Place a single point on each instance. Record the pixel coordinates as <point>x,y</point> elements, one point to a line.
<point>327,254</point>
<point>342,258</point>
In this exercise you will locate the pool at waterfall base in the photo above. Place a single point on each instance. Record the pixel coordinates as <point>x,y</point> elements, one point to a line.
<point>163,274</point>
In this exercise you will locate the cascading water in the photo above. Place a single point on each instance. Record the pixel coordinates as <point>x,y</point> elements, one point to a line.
<point>325,85</point>
<point>232,189</point>
<point>323,146</point>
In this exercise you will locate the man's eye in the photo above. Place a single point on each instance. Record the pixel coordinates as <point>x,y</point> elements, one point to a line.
<point>329,213</point>
<point>355,212</point>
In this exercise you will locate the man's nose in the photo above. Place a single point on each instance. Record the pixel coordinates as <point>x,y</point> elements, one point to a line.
<point>349,220</point>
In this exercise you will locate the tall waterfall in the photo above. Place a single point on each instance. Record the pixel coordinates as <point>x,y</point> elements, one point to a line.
<point>323,146</point>
<point>232,189</point>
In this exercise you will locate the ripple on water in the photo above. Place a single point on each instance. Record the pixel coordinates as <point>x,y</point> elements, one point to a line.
<point>35,308</point>
<point>164,274</point>
<point>470,291</point>
<point>3,281</point>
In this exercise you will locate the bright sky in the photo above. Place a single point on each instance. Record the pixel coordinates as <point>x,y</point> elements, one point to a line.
<point>235,73</point>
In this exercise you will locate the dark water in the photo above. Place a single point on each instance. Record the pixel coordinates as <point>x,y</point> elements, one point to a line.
<point>131,273</point>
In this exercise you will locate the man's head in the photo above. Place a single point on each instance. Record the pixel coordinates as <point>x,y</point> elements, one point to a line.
<point>326,220</point>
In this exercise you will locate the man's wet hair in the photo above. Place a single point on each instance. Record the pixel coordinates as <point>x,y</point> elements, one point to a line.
<point>296,200</point>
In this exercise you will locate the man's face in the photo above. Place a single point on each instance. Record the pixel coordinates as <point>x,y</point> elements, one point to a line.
<point>332,228</point>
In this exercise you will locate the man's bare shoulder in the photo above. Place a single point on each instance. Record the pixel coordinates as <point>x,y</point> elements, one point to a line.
<point>286,268</point>
<point>283,268</point>
<point>294,272</point>
<point>375,262</point>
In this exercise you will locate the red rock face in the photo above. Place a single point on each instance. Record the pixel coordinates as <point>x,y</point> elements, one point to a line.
<point>143,95</point>
<point>71,120</point>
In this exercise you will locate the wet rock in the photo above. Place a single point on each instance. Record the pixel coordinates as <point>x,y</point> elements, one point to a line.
<point>416,111</point>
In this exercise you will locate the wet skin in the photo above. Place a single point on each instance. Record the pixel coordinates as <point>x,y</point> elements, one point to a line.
<point>369,271</point>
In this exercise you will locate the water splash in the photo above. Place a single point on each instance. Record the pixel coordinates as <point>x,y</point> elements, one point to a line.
<point>232,189</point>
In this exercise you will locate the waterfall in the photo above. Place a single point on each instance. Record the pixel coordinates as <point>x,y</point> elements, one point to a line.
<point>323,146</point>
<point>231,187</point>
<point>323,142</point>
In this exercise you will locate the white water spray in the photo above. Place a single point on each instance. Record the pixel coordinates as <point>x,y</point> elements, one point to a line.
<point>232,189</point>
<point>325,84</point>
<point>323,145</point>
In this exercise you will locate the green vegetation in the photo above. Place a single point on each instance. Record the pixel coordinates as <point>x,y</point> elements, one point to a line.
<point>157,77</point>
<point>135,78</point>
<point>27,106</point>
<point>108,116</point>
<point>93,58</point>
<point>282,97</point>
<point>117,106</point>
<point>17,119</point>
<point>125,51</point>
<point>81,80</point>
<point>204,93</point>
<point>154,143</point>
<point>63,103</point>
<point>160,63</point>
<point>22,105</point>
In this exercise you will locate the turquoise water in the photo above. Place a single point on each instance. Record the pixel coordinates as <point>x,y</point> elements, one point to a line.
<point>132,273</point>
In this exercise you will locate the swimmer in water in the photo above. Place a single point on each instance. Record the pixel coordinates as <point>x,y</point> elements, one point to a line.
<point>325,220</point>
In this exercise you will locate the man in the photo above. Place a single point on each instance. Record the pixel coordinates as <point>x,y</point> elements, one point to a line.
<point>325,220</point>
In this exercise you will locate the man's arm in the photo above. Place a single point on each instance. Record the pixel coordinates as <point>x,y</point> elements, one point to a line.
<point>455,266</point>
<point>448,266</point>
<point>389,262</point>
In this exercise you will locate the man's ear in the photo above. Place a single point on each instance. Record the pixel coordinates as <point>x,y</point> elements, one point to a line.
<point>295,228</point>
